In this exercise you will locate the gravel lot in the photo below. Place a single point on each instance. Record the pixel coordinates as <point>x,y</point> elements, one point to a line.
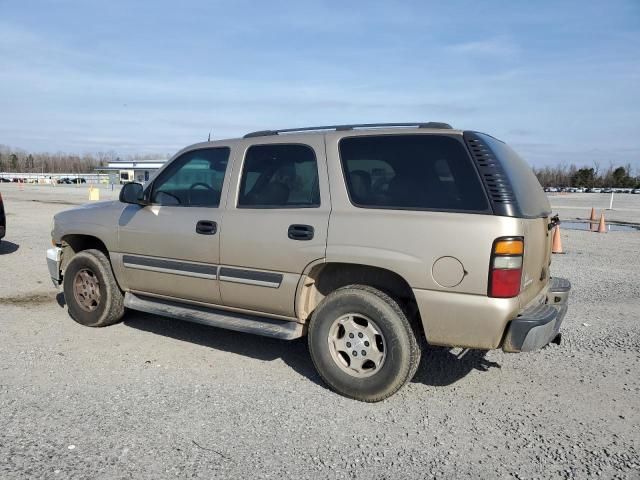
<point>157,398</point>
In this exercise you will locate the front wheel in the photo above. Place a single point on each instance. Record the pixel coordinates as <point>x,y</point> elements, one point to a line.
<point>362,344</point>
<point>90,290</point>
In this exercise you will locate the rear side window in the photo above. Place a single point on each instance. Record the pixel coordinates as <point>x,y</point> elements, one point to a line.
<point>532,202</point>
<point>421,172</point>
<point>279,176</point>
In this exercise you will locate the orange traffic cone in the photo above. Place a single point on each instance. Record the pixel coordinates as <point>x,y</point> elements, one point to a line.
<point>602,228</point>
<point>592,220</point>
<point>557,241</point>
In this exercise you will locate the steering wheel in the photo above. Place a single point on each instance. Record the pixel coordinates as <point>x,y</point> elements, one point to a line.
<point>198,184</point>
<point>380,186</point>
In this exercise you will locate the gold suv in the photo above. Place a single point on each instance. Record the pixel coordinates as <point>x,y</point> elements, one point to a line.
<point>364,238</point>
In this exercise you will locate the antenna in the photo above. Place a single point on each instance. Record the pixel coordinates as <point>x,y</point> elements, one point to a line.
<point>209,137</point>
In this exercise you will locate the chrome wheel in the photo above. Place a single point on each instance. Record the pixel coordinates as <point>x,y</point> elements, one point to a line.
<point>357,345</point>
<point>86,290</point>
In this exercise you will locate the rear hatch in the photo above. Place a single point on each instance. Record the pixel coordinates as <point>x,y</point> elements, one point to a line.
<point>515,191</point>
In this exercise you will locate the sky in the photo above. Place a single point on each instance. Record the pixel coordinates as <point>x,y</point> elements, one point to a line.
<point>559,81</point>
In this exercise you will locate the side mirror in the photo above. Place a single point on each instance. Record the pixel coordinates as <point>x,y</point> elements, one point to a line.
<point>132,193</point>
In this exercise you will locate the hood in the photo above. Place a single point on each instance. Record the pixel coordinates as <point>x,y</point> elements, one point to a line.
<point>101,204</point>
<point>105,204</point>
<point>98,219</point>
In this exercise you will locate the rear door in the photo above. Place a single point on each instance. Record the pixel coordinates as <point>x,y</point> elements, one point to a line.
<point>172,247</point>
<point>275,221</point>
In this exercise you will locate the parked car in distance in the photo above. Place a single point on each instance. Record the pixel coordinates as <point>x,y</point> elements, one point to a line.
<point>363,238</point>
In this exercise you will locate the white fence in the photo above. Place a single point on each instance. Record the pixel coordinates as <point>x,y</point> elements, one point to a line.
<point>60,178</point>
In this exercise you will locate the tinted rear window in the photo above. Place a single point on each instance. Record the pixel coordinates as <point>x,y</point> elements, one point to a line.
<point>422,172</point>
<point>532,201</point>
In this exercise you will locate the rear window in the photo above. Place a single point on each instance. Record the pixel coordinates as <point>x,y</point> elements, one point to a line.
<point>530,197</point>
<point>420,172</point>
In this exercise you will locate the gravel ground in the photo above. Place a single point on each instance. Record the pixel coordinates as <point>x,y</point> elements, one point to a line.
<point>157,398</point>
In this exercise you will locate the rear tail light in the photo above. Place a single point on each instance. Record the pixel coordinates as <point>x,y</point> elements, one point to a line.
<point>505,270</point>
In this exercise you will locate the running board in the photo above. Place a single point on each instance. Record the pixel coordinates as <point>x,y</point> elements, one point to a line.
<point>267,327</point>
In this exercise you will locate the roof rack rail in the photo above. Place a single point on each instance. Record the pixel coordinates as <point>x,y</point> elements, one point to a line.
<point>264,133</point>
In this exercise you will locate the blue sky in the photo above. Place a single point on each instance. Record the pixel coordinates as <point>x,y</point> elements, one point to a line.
<point>560,81</point>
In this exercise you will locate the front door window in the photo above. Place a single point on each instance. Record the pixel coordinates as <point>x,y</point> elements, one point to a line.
<point>192,180</point>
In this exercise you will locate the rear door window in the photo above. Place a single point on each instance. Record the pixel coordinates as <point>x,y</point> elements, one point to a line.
<point>279,176</point>
<point>420,172</point>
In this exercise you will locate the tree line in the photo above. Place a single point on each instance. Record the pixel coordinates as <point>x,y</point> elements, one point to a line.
<point>14,160</point>
<point>589,177</point>
<point>17,160</point>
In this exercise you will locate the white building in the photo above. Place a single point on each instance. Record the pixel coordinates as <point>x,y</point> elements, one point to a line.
<point>133,170</point>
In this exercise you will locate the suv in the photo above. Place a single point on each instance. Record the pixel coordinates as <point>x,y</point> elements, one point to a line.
<point>364,238</point>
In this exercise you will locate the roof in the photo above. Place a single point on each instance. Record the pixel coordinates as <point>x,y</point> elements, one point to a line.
<point>431,125</point>
<point>131,164</point>
<point>346,130</point>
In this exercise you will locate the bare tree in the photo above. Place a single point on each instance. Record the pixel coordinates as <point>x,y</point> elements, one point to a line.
<point>18,160</point>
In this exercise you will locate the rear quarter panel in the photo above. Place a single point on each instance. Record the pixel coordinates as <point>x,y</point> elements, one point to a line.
<point>408,242</point>
<point>537,258</point>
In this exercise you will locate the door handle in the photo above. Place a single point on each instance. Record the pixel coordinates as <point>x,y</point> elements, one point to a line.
<point>206,227</point>
<point>300,232</point>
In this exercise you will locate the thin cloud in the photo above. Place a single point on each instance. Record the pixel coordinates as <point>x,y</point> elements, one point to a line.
<point>498,47</point>
<point>71,78</point>
<point>520,132</point>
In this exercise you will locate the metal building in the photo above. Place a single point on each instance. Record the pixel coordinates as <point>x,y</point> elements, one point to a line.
<point>132,170</point>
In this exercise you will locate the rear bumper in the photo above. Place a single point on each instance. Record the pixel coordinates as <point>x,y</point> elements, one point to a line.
<point>538,325</point>
<point>54,260</point>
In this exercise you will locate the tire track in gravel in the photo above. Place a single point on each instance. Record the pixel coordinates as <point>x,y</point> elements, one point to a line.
<point>36,298</point>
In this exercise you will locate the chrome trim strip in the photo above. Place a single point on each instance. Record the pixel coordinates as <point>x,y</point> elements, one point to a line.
<point>170,271</point>
<point>173,267</point>
<point>200,270</point>
<point>248,281</point>
<point>250,277</point>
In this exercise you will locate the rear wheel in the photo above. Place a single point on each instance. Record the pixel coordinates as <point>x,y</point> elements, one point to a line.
<point>362,344</point>
<point>90,290</point>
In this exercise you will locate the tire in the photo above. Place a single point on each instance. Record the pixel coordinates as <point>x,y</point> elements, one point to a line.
<point>106,303</point>
<point>371,310</point>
